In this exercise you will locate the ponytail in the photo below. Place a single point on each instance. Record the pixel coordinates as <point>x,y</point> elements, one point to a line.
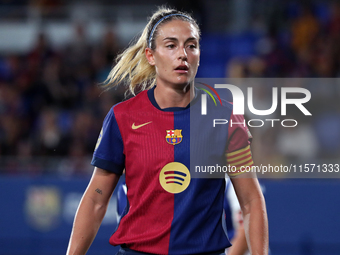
<point>132,67</point>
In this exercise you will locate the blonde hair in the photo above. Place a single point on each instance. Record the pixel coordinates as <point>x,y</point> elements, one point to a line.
<point>132,67</point>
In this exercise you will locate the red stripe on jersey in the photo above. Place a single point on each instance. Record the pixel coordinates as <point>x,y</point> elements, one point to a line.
<point>238,133</point>
<point>147,225</point>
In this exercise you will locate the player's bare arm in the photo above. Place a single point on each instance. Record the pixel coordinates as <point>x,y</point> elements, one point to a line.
<point>91,210</point>
<point>239,242</point>
<point>254,212</point>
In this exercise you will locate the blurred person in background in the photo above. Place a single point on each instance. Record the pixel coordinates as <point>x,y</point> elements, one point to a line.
<point>305,28</point>
<point>162,220</point>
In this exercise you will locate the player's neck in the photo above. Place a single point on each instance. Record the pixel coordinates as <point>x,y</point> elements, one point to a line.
<point>166,96</point>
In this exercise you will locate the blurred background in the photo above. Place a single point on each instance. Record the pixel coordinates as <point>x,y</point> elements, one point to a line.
<point>53,55</point>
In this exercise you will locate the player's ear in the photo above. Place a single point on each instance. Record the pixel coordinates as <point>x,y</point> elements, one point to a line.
<point>149,56</point>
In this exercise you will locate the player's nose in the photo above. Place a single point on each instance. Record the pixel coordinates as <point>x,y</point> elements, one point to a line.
<point>182,53</point>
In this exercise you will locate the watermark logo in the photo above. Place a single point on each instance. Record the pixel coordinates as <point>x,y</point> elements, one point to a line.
<point>239,103</point>
<point>204,97</point>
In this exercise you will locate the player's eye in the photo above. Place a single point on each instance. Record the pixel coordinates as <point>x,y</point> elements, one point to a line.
<point>170,46</point>
<point>192,46</point>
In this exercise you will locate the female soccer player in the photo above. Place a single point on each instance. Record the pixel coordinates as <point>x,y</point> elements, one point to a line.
<point>168,212</point>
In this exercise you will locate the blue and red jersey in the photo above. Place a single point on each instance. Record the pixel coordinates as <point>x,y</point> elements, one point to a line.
<point>168,212</point>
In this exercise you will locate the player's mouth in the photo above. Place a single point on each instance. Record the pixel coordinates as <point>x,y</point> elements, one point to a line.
<point>182,69</point>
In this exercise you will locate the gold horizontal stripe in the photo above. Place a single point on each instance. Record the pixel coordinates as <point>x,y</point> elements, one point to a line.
<point>238,157</point>
<point>239,151</point>
<point>240,162</point>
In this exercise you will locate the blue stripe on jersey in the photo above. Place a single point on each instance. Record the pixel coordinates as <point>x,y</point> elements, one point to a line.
<point>107,165</point>
<point>196,217</point>
<point>113,155</point>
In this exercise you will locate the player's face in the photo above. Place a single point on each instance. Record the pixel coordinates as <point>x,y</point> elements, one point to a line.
<point>176,57</point>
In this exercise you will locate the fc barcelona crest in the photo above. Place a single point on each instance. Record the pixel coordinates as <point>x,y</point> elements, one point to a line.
<point>174,136</point>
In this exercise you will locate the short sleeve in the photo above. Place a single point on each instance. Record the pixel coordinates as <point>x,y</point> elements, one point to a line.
<point>109,151</point>
<point>238,153</point>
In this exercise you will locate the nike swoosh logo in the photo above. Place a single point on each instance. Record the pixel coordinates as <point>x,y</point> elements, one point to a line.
<point>139,126</point>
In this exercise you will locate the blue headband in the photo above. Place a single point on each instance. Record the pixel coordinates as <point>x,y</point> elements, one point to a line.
<point>155,26</point>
